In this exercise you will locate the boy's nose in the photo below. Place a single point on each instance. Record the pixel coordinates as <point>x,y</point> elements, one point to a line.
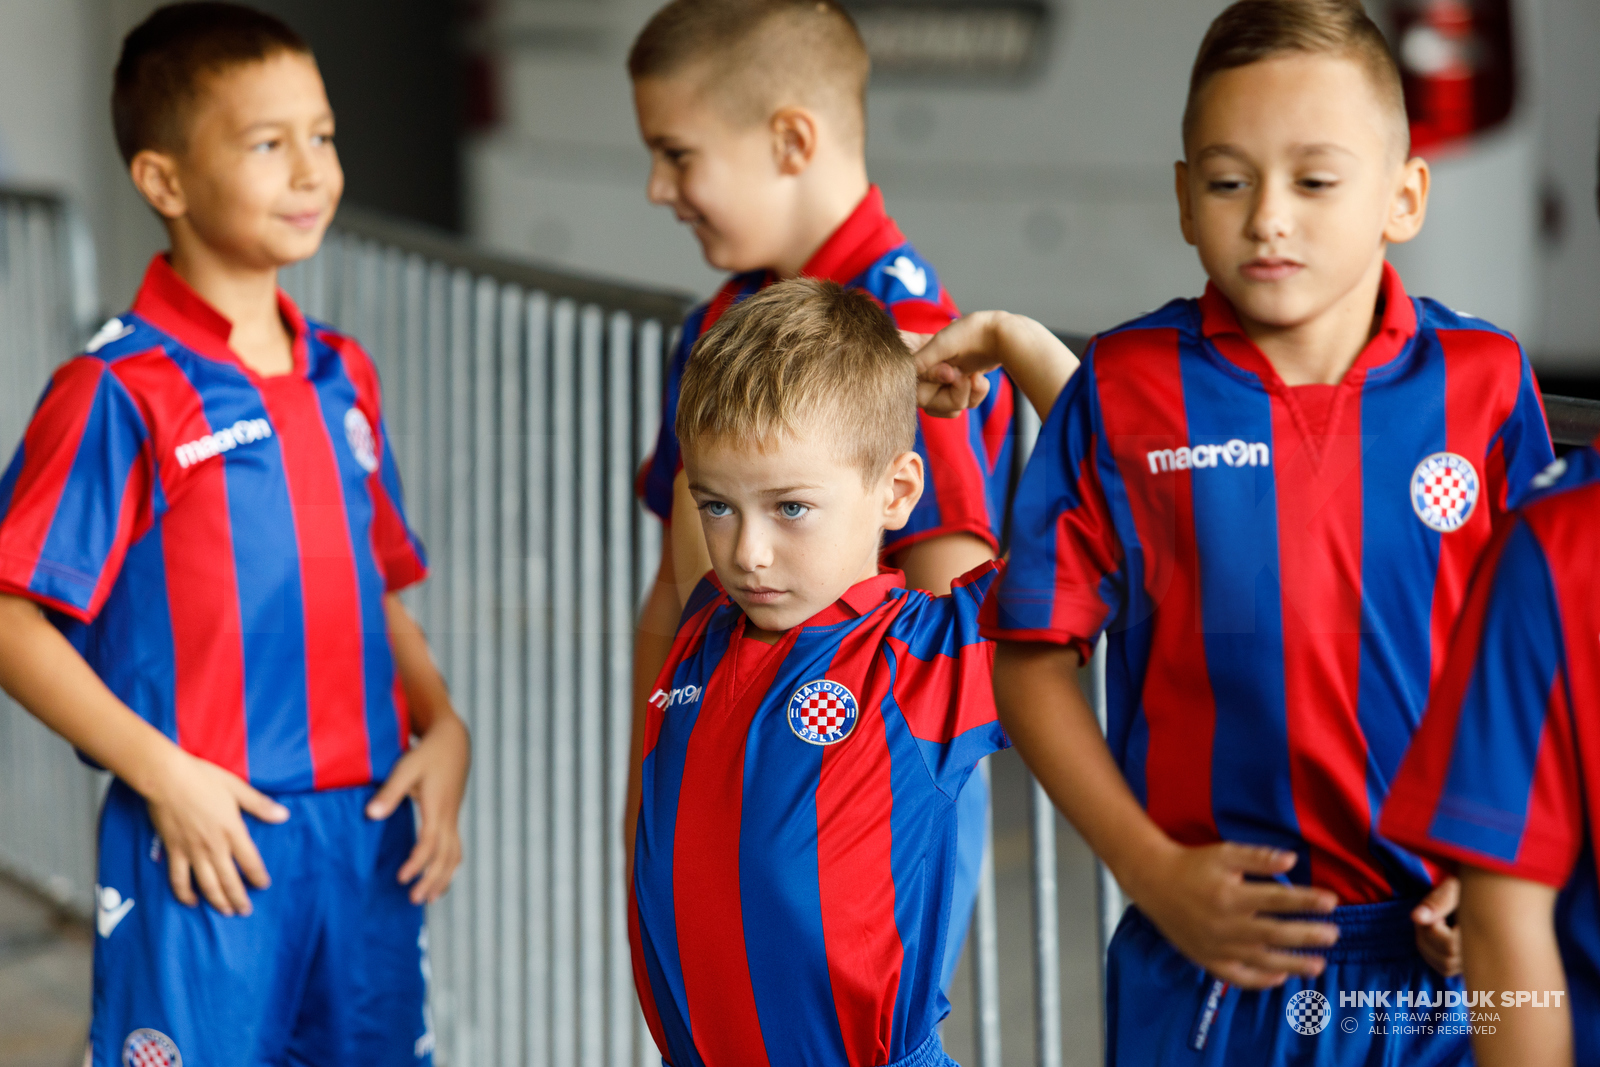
<point>659,188</point>
<point>1270,216</point>
<point>753,551</point>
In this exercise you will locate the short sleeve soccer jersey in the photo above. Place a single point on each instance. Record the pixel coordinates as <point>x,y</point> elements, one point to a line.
<point>1277,593</point>
<point>967,458</point>
<point>216,544</point>
<point>797,840</point>
<point>1502,774</point>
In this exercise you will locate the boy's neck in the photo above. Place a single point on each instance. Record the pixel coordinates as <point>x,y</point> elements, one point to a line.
<point>828,193</point>
<point>1321,350</point>
<point>247,296</point>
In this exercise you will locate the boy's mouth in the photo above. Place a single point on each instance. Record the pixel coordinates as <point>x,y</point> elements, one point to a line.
<point>303,220</point>
<point>1271,268</point>
<point>761,594</point>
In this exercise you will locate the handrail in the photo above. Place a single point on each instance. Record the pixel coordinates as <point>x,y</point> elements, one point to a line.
<point>666,305</point>
<point>1573,420</point>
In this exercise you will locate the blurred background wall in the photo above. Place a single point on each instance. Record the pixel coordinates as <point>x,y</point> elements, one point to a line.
<point>1024,145</point>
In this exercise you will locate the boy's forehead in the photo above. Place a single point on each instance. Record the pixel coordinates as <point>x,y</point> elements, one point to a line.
<point>1296,100</point>
<point>285,86</point>
<point>807,455</point>
<point>694,97</point>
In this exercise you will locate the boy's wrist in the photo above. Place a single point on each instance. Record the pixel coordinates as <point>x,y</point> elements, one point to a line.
<point>155,762</point>
<point>1140,859</point>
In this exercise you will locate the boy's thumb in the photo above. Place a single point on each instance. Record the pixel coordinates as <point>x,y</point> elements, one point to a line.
<point>385,800</point>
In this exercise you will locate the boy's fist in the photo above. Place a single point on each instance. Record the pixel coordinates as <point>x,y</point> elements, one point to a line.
<point>1438,938</point>
<point>196,811</point>
<point>1201,899</point>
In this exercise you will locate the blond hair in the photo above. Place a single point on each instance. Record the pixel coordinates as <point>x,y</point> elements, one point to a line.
<point>1250,31</point>
<point>760,55</point>
<point>800,355</point>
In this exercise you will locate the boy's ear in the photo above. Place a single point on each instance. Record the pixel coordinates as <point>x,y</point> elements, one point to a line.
<point>155,175</point>
<point>904,483</point>
<point>1410,207</point>
<point>1180,178</point>
<point>795,135</point>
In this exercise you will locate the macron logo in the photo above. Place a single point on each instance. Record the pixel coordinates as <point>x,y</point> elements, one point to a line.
<point>688,694</point>
<point>1235,453</point>
<point>110,909</point>
<point>243,432</point>
<point>913,277</point>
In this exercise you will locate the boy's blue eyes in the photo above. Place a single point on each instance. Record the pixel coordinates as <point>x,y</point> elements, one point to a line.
<point>789,509</point>
<point>715,508</point>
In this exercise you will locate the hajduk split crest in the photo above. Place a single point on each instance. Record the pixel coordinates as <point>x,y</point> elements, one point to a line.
<point>823,712</point>
<point>1444,491</point>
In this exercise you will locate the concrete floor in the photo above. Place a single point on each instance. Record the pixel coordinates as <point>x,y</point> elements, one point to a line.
<point>44,983</point>
<point>45,960</point>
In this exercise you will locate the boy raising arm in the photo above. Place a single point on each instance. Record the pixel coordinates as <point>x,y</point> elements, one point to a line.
<point>201,543</point>
<point>816,720</point>
<point>1269,498</point>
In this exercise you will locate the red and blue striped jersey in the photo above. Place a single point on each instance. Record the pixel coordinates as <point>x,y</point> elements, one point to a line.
<point>1503,772</point>
<point>967,459</point>
<point>795,858</point>
<point>216,544</point>
<point>1278,575</point>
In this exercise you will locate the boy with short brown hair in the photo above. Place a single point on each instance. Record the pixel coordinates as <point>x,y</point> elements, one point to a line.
<point>201,543</point>
<point>816,720</point>
<point>1269,500</point>
<point>754,112</point>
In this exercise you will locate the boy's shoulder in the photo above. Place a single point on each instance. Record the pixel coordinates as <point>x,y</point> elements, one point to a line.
<point>1568,488</point>
<point>1434,315</point>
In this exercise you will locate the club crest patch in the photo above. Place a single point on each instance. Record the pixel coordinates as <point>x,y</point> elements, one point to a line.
<point>150,1048</point>
<point>1444,491</point>
<point>358,432</point>
<point>822,712</point>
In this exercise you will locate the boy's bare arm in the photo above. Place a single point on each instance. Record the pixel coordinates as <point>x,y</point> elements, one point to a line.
<point>1199,897</point>
<point>194,805</point>
<point>1509,943</point>
<point>934,565</point>
<point>952,363</point>
<point>434,771</point>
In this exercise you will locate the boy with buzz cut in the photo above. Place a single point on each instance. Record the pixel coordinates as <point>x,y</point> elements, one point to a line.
<point>1500,780</point>
<point>816,720</point>
<point>754,112</point>
<point>1269,499</point>
<point>201,542</point>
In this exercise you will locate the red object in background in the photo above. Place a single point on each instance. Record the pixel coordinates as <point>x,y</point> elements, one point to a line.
<point>1457,62</point>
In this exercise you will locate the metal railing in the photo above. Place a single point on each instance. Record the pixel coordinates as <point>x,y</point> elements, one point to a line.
<point>48,800</point>
<point>520,401</point>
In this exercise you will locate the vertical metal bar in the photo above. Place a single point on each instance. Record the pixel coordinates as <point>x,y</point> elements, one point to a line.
<point>1046,936</point>
<point>511,663</point>
<point>539,510</point>
<point>618,558</point>
<point>986,970</point>
<point>564,693</point>
<point>467,1000</point>
<point>591,715</point>
<point>485,556</point>
<point>1110,899</point>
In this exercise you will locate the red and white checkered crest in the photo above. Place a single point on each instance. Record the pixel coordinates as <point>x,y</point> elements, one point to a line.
<point>1444,491</point>
<point>150,1048</point>
<point>822,712</point>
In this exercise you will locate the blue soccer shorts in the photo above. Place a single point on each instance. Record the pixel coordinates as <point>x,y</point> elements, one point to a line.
<point>1376,1003</point>
<point>330,968</point>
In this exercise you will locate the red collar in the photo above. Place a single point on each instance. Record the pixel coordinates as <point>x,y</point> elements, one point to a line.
<point>1220,325</point>
<point>858,243</point>
<point>168,303</point>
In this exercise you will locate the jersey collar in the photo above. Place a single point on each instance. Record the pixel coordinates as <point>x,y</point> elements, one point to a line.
<point>858,243</point>
<point>168,303</point>
<point>860,599</point>
<point>1220,324</point>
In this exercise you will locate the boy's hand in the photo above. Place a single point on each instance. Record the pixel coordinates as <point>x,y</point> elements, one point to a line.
<point>1202,901</point>
<point>196,811</point>
<point>1438,939</point>
<point>951,365</point>
<point>434,774</point>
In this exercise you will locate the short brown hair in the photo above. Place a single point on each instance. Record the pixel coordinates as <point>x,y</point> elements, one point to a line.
<point>1250,31</point>
<point>762,54</point>
<point>801,351</point>
<point>167,56</point>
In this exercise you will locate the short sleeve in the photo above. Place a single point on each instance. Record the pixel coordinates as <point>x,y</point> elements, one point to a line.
<point>396,544</point>
<point>943,680</point>
<point>78,492</point>
<point>661,468</point>
<point>1062,581</point>
<point>1491,778</point>
<point>1523,439</point>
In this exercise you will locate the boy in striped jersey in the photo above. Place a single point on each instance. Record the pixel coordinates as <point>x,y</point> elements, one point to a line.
<point>201,542</point>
